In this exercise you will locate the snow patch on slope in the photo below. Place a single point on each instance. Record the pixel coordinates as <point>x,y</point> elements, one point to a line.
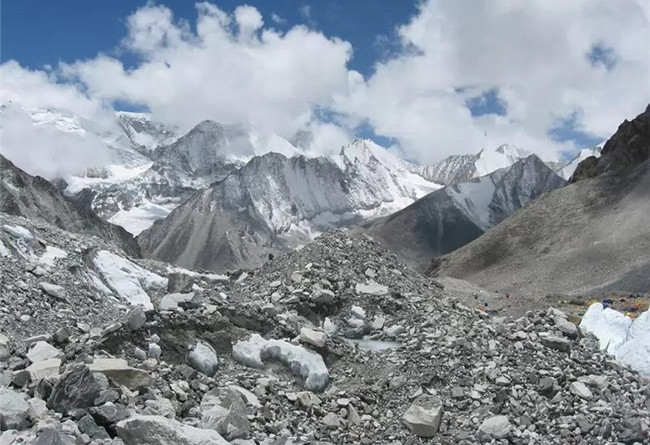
<point>626,339</point>
<point>567,171</point>
<point>127,279</point>
<point>504,156</point>
<point>474,198</point>
<point>140,217</point>
<point>51,254</point>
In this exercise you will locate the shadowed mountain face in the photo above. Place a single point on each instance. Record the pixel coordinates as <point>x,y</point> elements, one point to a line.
<point>34,197</point>
<point>591,235</point>
<point>455,215</point>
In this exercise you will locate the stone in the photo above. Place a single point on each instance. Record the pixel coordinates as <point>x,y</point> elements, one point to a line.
<point>566,327</point>
<point>109,413</point>
<point>136,318</point>
<point>548,386</point>
<point>37,408</point>
<point>371,288</point>
<point>62,335</point>
<point>557,343</point>
<point>161,407</point>
<point>53,290</point>
<point>323,296</point>
<point>154,351</point>
<point>179,283</point>
<point>496,427</point>
<point>77,388</point>
<point>50,436</point>
<point>88,426</point>
<point>119,371</point>
<point>580,389</point>
<point>331,420</point>
<point>41,351</point>
<point>203,358</point>
<point>171,302</point>
<point>159,430</point>
<point>313,337</point>
<point>424,415</point>
<point>394,330</point>
<point>14,410</point>
<point>140,354</point>
<point>5,351</point>
<point>224,410</point>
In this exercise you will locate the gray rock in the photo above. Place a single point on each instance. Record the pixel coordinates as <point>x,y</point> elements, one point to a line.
<point>496,427</point>
<point>41,351</point>
<point>424,415</point>
<point>331,420</point>
<point>14,410</point>
<point>580,389</point>
<point>154,351</point>
<point>109,413</point>
<point>557,343</point>
<point>224,410</point>
<point>203,358</point>
<point>371,288</point>
<point>119,371</point>
<point>136,318</point>
<point>88,426</point>
<point>179,283</point>
<point>158,430</point>
<point>170,302</point>
<point>53,290</point>
<point>77,388</point>
<point>313,337</point>
<point>160,407</point>
<point>566,327</point>
<point>50,436</point>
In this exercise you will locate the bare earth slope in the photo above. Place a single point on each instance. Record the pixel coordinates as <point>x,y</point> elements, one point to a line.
<point>591,235</point>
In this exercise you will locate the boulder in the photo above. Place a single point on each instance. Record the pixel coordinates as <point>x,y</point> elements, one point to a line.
<point>371,288</point>
<point>170,302</point>
<point>224,410</point>
<point>118,370</point>
<point>313,337</point>
<point>159,430</point>
<point>136,318</point>
<point>14,411</point>
<point>580,389</point>
<point>557,343</point>
<point>423,417</point>
<point>496,427</point>
<point>41,351</point>
<point>77,388</point>
<point>203,358</point>
<point>179,283</point>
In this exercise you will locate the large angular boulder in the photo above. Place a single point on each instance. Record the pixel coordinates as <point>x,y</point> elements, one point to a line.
<point>159,430</point>
<point>119,371</point>
<point>42,350</point>
<point>424,415</point>
<point>224,410</point>
<point>77,388</point>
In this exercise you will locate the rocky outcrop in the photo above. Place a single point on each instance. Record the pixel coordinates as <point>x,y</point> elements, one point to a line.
<point>626,149</point>
<point>36,198</point>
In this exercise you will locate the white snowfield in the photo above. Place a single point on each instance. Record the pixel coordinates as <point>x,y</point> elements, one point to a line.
<point>127,279</point>
<point>627,339</point>
<point>301,361</point>
<point>140,217</point>
<point>567,171</point>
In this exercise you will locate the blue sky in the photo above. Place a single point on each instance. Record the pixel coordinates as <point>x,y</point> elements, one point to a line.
<point>37,32</point>
<point>431,78</point>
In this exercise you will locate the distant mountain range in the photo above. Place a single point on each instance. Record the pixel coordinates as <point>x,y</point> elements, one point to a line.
<point>588,237</point>
<point>457,214</point>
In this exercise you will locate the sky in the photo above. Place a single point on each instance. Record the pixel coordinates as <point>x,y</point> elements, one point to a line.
<point>427,78</point>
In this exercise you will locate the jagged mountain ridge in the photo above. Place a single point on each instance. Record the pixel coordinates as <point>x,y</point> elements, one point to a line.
<point>274,203</point>
<point>457,214</point>
<point>589,236</point>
